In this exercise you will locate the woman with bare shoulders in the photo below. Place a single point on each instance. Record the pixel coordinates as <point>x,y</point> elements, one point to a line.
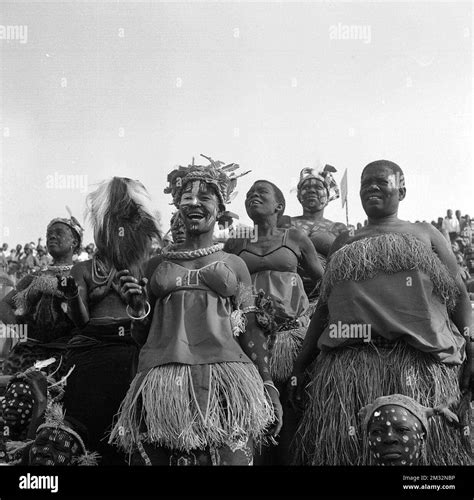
<point>102,348</point>
<point>315,190</point>
<point>203,394</point>
<point>272,258</point>
<point>391,319</point>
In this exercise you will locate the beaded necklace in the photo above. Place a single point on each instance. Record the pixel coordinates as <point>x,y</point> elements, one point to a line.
<point>59,268</point>
<point>98,272</point>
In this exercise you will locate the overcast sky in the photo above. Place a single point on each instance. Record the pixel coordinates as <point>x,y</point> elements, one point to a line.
<point>133,89</point>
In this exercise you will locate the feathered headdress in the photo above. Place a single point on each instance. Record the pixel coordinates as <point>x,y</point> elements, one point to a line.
<point>221,176</point>
<point>122,218</point>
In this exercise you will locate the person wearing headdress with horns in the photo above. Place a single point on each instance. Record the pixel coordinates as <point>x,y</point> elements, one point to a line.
<point>203,394</point>
<point>102,349</point>
<point>38,307</point>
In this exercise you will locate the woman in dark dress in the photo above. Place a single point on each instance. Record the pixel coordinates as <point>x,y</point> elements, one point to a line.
<point>102,349</point>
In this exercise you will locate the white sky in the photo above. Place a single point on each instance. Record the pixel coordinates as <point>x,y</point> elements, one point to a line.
<point>149,85</point>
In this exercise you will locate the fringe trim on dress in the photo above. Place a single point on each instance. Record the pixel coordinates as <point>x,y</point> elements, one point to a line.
<point>285,347</point>
<point>344,380</point>
<point>42,284</point>
<point>389,253</point>
<point>164,402</point>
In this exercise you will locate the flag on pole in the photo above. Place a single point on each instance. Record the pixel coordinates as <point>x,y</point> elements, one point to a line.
<point>344,188</point>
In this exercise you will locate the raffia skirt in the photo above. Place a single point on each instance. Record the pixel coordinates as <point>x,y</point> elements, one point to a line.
<point>184,407</point>
<point>346,379</point>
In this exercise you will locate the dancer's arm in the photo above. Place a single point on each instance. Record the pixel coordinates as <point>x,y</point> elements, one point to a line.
<point>254,343</point>
<point>309,258</point>
<point>462,313</point>
<point>74,288</point>
<point>137,293</point>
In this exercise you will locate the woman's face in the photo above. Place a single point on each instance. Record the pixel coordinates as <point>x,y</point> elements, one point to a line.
<point>199,207</point>
<point>395,436</point>
<point>60,239</point>
<point>17,409</point>
<point>54,447</point>
<point>313,195</point>
<point>261,201</point>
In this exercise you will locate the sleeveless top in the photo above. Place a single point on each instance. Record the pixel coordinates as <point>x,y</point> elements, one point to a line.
<point>275,274</point>
<point>191,318</point>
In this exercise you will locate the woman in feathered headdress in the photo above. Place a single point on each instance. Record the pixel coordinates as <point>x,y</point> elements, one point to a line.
<point>102,348</point>
<point>37,309</point>
<point>203,393</point>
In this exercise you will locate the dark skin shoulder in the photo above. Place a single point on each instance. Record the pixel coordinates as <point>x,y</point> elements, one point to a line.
<point>420,230</point>
<point>309,258</point>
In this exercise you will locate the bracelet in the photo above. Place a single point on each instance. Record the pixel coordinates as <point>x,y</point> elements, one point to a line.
<point>74,296</point>
<point>140,317</point>
<point>269,383</point>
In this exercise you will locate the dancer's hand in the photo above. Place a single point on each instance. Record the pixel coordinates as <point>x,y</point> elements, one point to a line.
<point>277,409</point>
<point>67,286</point>
<point>133,291</point>
<point>295,387</point>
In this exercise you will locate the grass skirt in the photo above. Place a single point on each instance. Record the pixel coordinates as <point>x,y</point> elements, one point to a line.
<point>163,403</point>
<point>284,348</point>
<point>346,379</point>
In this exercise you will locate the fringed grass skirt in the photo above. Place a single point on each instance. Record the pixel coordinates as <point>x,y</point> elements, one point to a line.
<point>284,348</point>
<point>165,407</point>
<point>346,379</point>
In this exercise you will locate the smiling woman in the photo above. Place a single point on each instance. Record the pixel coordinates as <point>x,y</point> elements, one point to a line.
<point>272,259</point>
<point>203,394</point>
<point>409,291</point>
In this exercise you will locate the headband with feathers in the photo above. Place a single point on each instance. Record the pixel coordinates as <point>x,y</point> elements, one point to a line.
<point>221,176</point>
